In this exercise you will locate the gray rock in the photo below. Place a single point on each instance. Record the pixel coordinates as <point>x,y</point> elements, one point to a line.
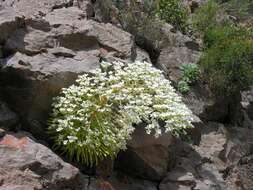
<point>115,38</point>
<point>34,8</point>
<point>86,6</point>
<point>172,58</point>
<point>52,44</point>
<point>65,16</point>
<point>39,78</point>
<point>149,156</point>
<point>70,30</point>
<point>198,167</point>
<point>213,141</point>
<point>203,104</point>
<point>222,160</point>
<point>26,163</point>
<point>14,179</point>
<point>181,176</point>
<point>29,41</point>
<point>239,158</point>
<point>9,21</point>
<point>62,52</point>
<point>241,176</point>
<point>238,145</point>
<point>142,55</point>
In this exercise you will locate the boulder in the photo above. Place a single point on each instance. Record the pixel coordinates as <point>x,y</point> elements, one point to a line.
<point>198,167</point>
<point>86,6</point>
<point>238,155</point>
<point>32,81</point>
<point>222,160</point>
<point>149,156</point>
<point>176,49</point>
<point>14,179</point>
<point>26,164</point>
<point>238,145</point>
<point>9,21</point>
<point>241,176</point>
<point>33,8</point>
<point>53,45</point>
<point>172,58</point>
<point>204,105</point>
<point>142,55</point>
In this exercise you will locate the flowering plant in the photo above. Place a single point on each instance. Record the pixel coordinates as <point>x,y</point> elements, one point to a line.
<point>94,118</point>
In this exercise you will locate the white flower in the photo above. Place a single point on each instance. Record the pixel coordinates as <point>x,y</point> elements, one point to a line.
<point>100,110</point>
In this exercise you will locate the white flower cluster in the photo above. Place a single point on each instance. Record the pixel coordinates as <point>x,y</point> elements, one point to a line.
<point>94,119</point>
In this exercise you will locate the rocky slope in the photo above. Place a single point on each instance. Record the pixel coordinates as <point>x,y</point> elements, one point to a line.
<point>44,45</point>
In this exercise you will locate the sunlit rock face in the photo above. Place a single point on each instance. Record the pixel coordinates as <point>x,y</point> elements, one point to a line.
<point>46,45</point>
<point>27,164</point>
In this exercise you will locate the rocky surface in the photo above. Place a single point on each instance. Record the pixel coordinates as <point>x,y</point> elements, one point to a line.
<point>149,156</point>
<point>222,160</point>
<point>26,164</point>
<point>45,44</point>
<point>176,49</point>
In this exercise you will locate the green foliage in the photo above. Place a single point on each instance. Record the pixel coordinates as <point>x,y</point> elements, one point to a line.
<point>228,61</point>
<point>173,12</point>
<point>206,16</point>
<point>190,76</point>
<point>94,118</point>
<point>239,8</point>
<point>190,72</point>
<point>227,32</point>
<point>183,87</point>
<point>118,3</point>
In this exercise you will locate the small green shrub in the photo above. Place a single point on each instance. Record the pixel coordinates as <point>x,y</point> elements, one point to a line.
<point>228,65</point>
<point>239,8</point>
<point>220,34</point>
<point>190,72</point>
<point>173,12</point>
<point>190,76</point>
<point>183,87</point>
<point>206,16</point>
<point>227,60</point>
<point>94,119</point>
